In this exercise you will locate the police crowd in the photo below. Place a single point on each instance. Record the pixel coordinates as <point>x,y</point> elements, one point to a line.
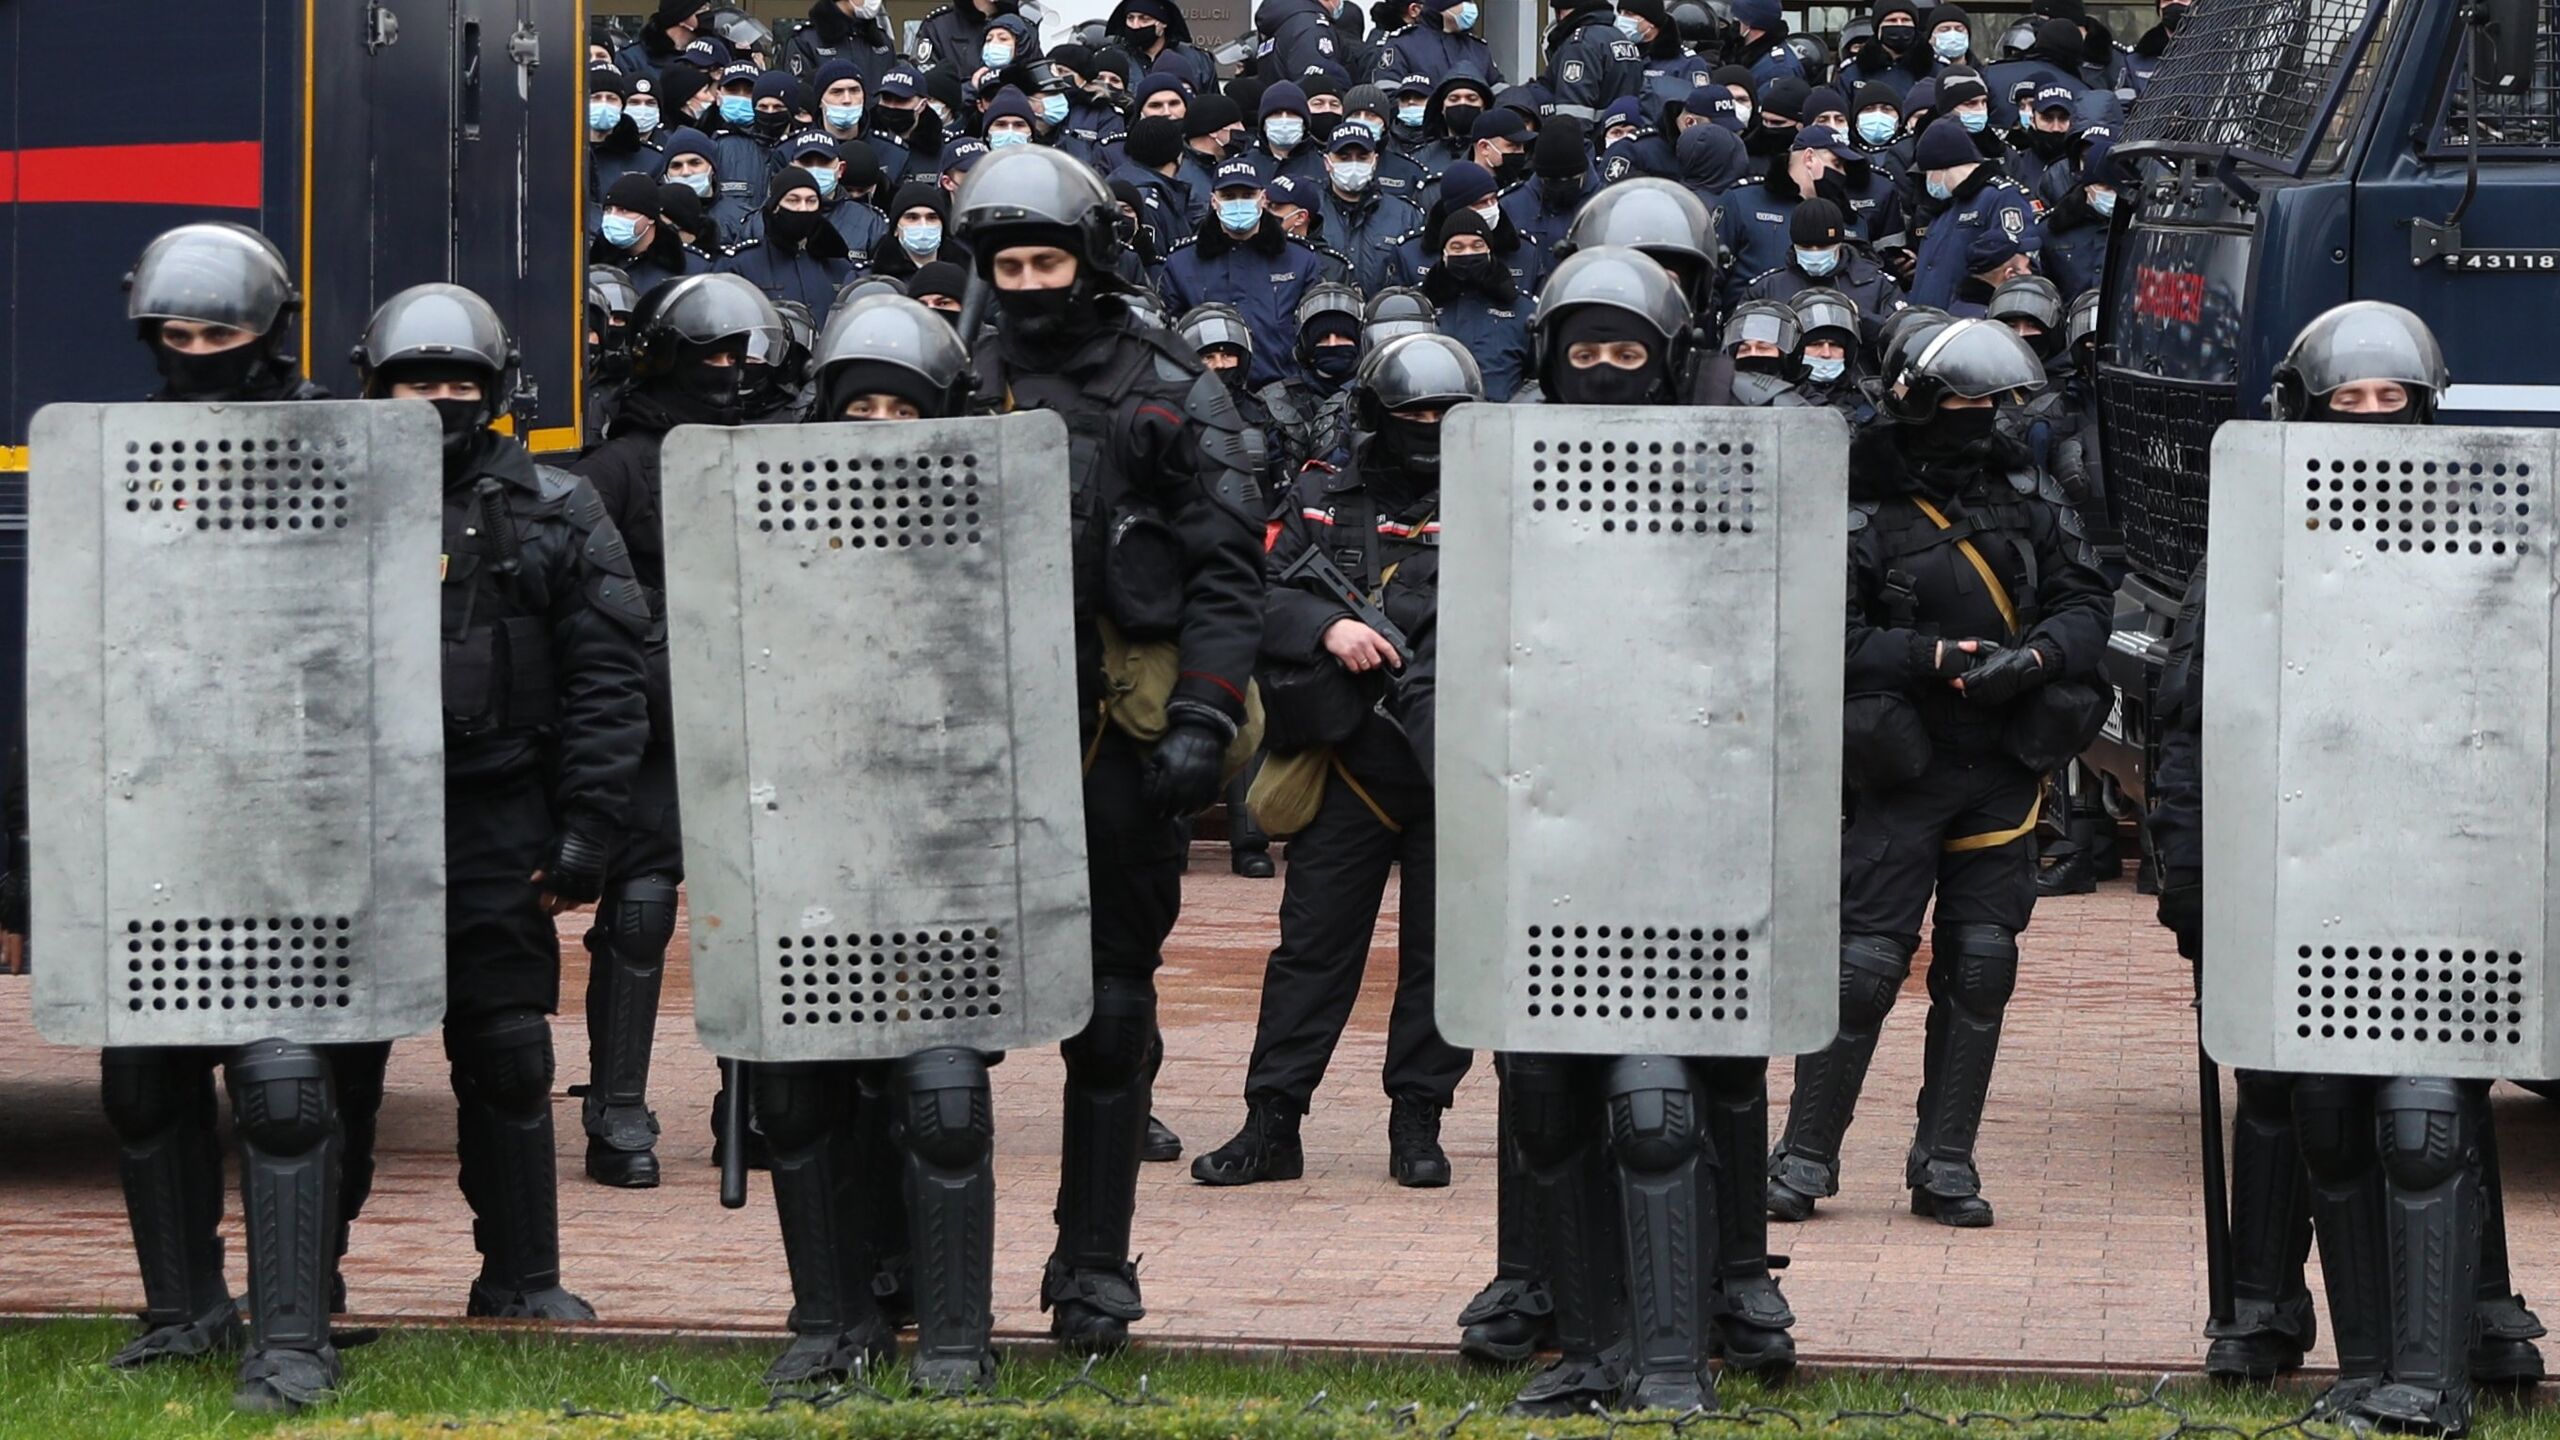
<point>1255,300</point>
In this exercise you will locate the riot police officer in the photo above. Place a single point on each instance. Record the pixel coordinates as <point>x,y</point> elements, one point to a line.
<point>1310,416</point>
<point>1373,520</point>
<point>1675,230</point>
<point>689,346</point>
<point>1166,554</point>
<point>546,716</point>
<point>1976,613</point>
<point>884,358</point>
<point>2404,1191</point>
<point>213,302</point>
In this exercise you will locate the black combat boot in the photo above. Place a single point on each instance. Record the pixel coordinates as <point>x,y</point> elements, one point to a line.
<point>1414,1156</point>
<point>1265,1149</point>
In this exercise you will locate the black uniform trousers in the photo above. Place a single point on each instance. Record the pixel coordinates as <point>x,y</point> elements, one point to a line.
<point>1965,829</point>
<point>1329,907</point>
<point>502,951</point>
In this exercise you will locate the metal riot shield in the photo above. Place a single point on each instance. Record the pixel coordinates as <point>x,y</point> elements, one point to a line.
<point>1639,780</point>
<point>2377,750</point>
<point>235,738</point>
<point>871,632</point>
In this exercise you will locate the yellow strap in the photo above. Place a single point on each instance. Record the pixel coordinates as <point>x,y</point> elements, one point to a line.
<point>1981,567</point>
<point>1997,838</point>
<point>1102,710</point>
<point>1374,808</point>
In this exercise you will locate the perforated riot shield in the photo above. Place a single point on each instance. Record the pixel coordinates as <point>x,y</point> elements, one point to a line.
<point>235,723</point>
<point>871,631</point>
<point>1639,739</point>
<point>2377,750</point>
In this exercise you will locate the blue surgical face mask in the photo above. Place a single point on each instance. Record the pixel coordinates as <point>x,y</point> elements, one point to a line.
<point>1006,139</point>
<point>1817,262</point>
<point>1878,129</point>
<point>699,182</point>
<point>602,116</point>
<point>1951,44</point>
<point>994,56</point>
<point>825,175</point>
<point>921,239</point>
<point>844,117</point>
<point>1354,175</point>
<point>738,109</point>
<point>2102,201</point>
<point>1973,120</point>
<point>1053,108</point>
<point>644,118</point>
<point>1284,131</point>
<point>1467,15</point>
<point>1627,27</point>
<point>1240,215</point>
<point>1938,191</point>
<point>1825,371</point>
<point>1409,115</point>
<point>621,231</point>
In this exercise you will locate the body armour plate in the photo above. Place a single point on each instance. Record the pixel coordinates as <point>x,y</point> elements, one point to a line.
<point>1639,773</point>
<point>235,727</point>
<point>871,633</point>
<point>2377,750</point>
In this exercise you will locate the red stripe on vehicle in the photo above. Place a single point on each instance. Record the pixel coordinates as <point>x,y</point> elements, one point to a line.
<point>223,175</point>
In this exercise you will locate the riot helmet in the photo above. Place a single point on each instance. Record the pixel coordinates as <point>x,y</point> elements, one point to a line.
<point>1766,342</point>
<point>778,362</point>
<point>1810,53</point>
<point>1902,334</point>
<point>227,286</point>
<point>1974,359</point>
<point>689,344</point>
<point>2019,38</point>
<point>1217,326</point>
<point>1829,318</point>
<point>1697,28</point>
<point>1658,217</point>
<point>863,287</point>
<point>1395,312</point>
<point>1602,302</point>
<point>610,291</point>
<point>1414,372</point>
<point>2080,327</point>
<point>2024,300</point>
<point>1329,329</point>
<point>435,335</point>
<point>890,345</point>
<point>1034,195</point>
<point>2361,341</point>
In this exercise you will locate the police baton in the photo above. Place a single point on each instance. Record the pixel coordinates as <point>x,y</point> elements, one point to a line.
<point>733,1134</point>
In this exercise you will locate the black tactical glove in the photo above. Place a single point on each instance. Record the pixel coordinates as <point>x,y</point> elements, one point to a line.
<point>1947,659</point>
<point>1186,770</point>
<point>2005,676</point>
<point>576,871</point>
<point>2182,909</point>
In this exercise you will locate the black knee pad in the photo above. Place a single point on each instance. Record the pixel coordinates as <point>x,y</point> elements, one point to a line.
<point>1653,1114</point>
<point>1872,969</point>
<point>1119,1045</point>
<point>1978,965</point>
<point>502,1059</point>
<point>148,1091</point>
<point>2333,1116</point>
<point>946,1112</point>
<point>643,912</point>
<point>2426,1137</point>
<point>799,1104</point>
<point>1549,1124</point>
<point>281,1097</point>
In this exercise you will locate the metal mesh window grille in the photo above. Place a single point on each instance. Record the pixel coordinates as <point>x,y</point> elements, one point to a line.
<point>919,501</point>
<point>2529,120</point>
<point>239,962</point>
<point>2255,77</point>
<point>1649,487</point>
<point>2159,441</point>
<point>240,485</point>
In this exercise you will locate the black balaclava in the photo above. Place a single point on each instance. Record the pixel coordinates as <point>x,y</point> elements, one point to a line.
<point>1041,328</point>
<point>1330,366</point>
<point>1607,384</point>
<point>463,422</point>
<point>224,375</point>
<point>2405,415</point>
<point>1950,446</point>
<point>696,392</point>
<point>1406,456</point>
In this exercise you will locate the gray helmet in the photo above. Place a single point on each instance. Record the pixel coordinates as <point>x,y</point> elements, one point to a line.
<point>1902,332</point>
<point>2361,340</point>
<point>1616,278</point>
<point>1765,320</point>
<point>1697,27</point>
<point>1395,312</point>
<point>1414,371</point>
<point>609,289</point>
<point>442,325</point>
<point>213,273</point>
<point>1654,215</point>
<point>1858,31</point>
<point>1040,190</point>
<point>2019,38</point>
<point>799,329</point>
<point>1809,52</point>
<point>742,32</point>
<point>1330,297</point>
<point>2028,297</point>
<point>700,310</point>
<point>894,330</point>
<point>1820,307</point>
<point>1977,359</point>
<point>2082,323</point>
<point>1148,306</point>
<point>862,287</point>
<point>1216,324</point>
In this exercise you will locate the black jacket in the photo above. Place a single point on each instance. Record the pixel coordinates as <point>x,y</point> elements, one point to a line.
<point>1155,438</point>
<point>543,669</point>
<point>1385,541</point>
<point>1911,584</point>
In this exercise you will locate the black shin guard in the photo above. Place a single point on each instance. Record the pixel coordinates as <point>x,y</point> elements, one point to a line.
<point>1110,1083</point>
<point>502,1073</point>
<point>944,1122</point>
<point>1573,1208</point>
<point>808,1114</point>
<point>1667,1227</point>
<point>1807,1160</point>
<point>2333,1117</point>
<point>161,1103</point>
<point>627,952</point>
<point>2432,1216</point>
<point>285,1112</point>
<point>1973,969</point>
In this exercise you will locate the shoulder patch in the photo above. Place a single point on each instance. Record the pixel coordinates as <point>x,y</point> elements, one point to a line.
<point>2013,221</point>
<point>1617,168</point>
<point>1623,49</point>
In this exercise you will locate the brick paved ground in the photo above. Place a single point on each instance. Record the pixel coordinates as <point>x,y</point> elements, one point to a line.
<point>2087,1153</point>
